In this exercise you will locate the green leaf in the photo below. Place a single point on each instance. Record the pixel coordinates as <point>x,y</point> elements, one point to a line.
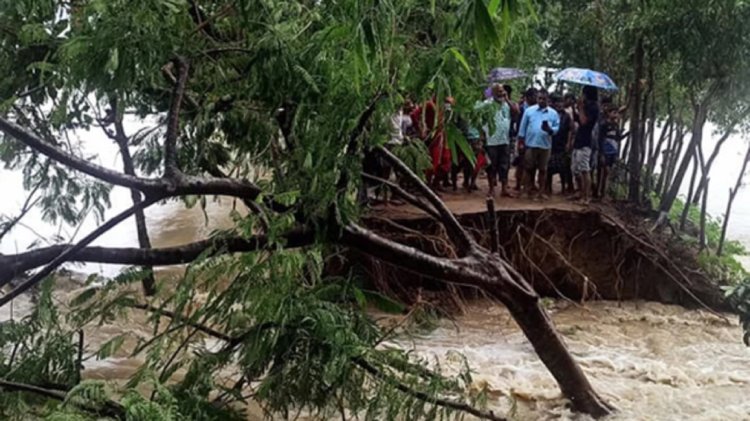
<point>86,295</point>
<point>460,58</point>
<point>493,6</point>
<point>383,303</point>
<point>457,141</point>
<point>110,347</point>
<point>360,297</point>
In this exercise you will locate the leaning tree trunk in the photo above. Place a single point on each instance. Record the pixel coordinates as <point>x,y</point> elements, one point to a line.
<point>691,189</point>
<point>149,283</point>
<point>483,268</point>
<point>667,201</point>
<point>665,159</point>
<point>144,242</point>
<point>634,158</point>
<point>540,331</point>
<point>732,195</point>
<point>702,234</point>
<point>674,156</point>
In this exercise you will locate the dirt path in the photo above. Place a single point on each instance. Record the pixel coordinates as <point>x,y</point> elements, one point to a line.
<point>461,202</point>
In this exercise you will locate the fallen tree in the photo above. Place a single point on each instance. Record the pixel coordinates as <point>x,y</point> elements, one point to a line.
<point>293,321</point>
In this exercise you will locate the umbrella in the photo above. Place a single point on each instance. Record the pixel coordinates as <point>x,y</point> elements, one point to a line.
<point>586,77</point>
<point>504,73</point>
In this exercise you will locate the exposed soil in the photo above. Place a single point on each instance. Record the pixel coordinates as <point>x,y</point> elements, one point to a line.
<point>564,249</point>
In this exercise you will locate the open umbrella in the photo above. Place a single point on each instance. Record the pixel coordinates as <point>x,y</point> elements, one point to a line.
<point>586,77</point>
<point>499,74</point>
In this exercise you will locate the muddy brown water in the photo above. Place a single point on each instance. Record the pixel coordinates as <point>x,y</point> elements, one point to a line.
<point>652,361</point>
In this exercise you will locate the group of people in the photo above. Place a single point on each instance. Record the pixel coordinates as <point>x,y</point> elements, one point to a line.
<point>541,135</point>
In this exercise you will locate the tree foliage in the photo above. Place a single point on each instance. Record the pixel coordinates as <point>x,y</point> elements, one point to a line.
<point>272,102</point>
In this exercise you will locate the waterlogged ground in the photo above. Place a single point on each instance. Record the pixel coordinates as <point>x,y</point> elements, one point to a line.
<point>652,361</point>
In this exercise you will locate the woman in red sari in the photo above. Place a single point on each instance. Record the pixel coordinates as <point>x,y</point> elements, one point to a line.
<point>431,123</point>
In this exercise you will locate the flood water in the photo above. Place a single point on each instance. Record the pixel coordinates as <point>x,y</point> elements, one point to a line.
<point>653,362</point>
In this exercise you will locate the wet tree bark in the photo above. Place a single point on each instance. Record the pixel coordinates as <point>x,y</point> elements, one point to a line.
<point>699,120</point>
<point>702,235</point>
<point>144,242</point>
<point>732,195</point>
<point>553,352</point>
<point>634,158</point>
<point>689,201</point>
<point>482,267</point>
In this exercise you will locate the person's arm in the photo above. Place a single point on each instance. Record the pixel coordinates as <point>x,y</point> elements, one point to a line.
<point>571,134</point>
<point>522,127</point>
<point>555,123</point>
<point>583,117</point>
<point>514,110</point>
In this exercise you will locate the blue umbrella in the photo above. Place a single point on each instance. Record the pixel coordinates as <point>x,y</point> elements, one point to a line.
<point>586,77</point>
<point>504,73</point>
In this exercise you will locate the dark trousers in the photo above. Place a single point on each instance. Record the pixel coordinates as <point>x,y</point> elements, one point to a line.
<point>499,156</point>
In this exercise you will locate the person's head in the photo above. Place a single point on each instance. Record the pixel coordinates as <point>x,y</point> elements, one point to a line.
<point>613,115</point>
<point>408,105</point>
<point>590,93</point>
<point>531,96</point>
<point>448,103</point>
<point>542,99</point>
<point>508,90</point>
<point>498,92</point>
<point>569,99</point>
<point>557,102</point>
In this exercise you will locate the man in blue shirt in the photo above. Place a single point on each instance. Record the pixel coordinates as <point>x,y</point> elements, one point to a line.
<point>538,125</point>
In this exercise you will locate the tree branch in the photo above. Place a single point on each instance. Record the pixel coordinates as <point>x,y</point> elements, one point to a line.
<point>464,242</point>
<point>457,406</point>
<point>173,118</point>
<point>351,149</point>
<point>411,259</point>
<point>111,408</point>
<point>80,164</point>
<point>14,265</point>
<point>185,185</point>
<point>63,257</point>
<point>358,361</point>
<point>27,206</point>
<point>413,200</point>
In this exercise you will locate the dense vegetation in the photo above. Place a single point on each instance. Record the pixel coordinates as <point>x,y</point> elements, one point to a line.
<point>274,103</point>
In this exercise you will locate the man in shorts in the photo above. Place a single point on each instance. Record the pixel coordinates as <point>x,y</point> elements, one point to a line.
<point>539,124</point>
<point>588,116</point>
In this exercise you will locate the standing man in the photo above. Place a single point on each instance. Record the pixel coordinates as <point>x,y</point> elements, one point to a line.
<point>496,119</point>
<point>559,162</point>
<point>538,125</point>
<point>528,100</point>
<point>588,116</point>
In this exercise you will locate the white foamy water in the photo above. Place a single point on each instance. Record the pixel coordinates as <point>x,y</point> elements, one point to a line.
<point>652,361</point>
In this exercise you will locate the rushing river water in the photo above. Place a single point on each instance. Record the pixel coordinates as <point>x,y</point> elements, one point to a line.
<point>653,362</point>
